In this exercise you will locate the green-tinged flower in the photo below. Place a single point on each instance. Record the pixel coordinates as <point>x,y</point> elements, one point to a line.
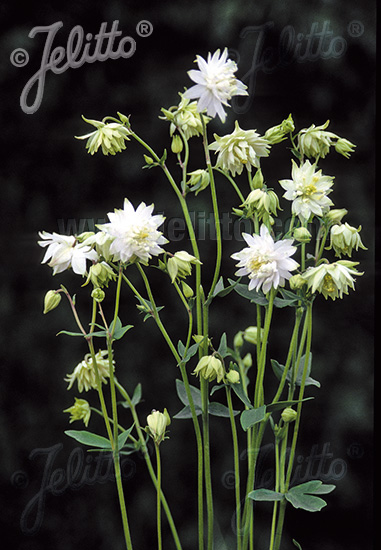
<point>180,264</point>
<point>110,137</point>
<point>302,235</point>
<point>335,215</point>
<point>186,117</point>
<point>251,335</point>
<point>297,282</point>
<point>84,372</point>
<point>51,300</point>
<point>210,367</point>
<point>344,147</point>
<point>239,149</point>
<point>332,280</point>
<point>262,202</point>
<point>79,411</point>
<point>102,242</point>
<point>345,238</point>
<point>198,181</point>
<point>157,425</point>
<point>100,274</point>
<point>315,142</point>
<point>278,133</point>
<point>308,191</point>
<point>233,377</point>
<point>288,415</point>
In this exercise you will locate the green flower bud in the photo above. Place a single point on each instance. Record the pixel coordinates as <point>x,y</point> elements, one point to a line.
<point>238,340</point>
<point>187,291</point>
<point>180,264</point>
<point>149,160</point>
<point>233,377</point>
<point>257,180</point>
<point>276,134</point>
<point>296,282</point>
<point>247,360</point>
<point>177,144</point>
<point>100,274</point>
<point>79,411</point>
<point>289,415</point>
<point>336,215</point>
<point>51,300</point>
<point>302,235</point>
<point>157,425</point>
<point>344,147</point>
<point>98,294</point>
<point>210,367</point>
<point>251,335</point>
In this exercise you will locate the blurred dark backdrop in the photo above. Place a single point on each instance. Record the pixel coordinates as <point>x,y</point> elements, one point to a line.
<point>49,182</point>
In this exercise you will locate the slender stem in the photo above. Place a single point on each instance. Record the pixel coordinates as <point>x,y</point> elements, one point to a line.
<point>259,397</point>
<point>275,505</point>
<point>235,186</point>
<point>236,468</point>
<point>148,461</point>
<point>158,499</point>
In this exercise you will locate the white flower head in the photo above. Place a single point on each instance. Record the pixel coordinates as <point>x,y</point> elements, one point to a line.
<point>215,83</point>
<point>238,149</point>
<point>134,232</point>
<point>64,251</point>
<point>331,280</point>
<point>308,191</point>
<point>267,263</point>
<point>84,372</point>
<point>110,137</point>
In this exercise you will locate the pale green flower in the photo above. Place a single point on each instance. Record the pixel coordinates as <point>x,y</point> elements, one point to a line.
<point>278,133</point>
<point>186,117</point>
<point>79,411</point>
<point>84,372</point>
<point>332,280</point>
<point>308,191</point>
<point>210,367</point>
<point>315,142</point>
<point>345,238</point>
<point>263,202</point>
<point>110,137</point>
<point>180,264</point>
<point>157,425</point>
<point>198,181</point>
<point>239,149</point>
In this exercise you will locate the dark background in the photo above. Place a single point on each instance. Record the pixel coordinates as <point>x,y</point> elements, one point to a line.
<point>48,182</point>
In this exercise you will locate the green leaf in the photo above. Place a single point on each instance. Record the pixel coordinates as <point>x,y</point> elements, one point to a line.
<point>297,544</point>
<point>70,333</point>
<point>278,370</point>
<point>252,295</point>
<point>195,392</point>
<point>303,496</point>
<point>90,439</point>
<point>252,416</point>
<point>217,409</point>
<point>187,413</point>
<point>289,299</point>
<point>265,494</point>
<point>239,391</point>
<point>119,329</point>
<point>122,438</point>
<point>222,348</point>
<point>137,395</point>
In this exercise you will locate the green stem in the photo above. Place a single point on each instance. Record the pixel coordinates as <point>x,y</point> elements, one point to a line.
<point>158,499</point>
<point>259,395</point>
<point>236,468</point>
<point>235,186</point>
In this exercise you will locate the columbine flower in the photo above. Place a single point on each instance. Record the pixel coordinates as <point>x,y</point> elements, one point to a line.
<point>315,142</point>
<point>180,264</point>
<point>345,238</point>
<point>239,149</point>
<point>186,117</point>
<point>308,190</point>
<point>64,252</point>
<point>79,411</point>
<point>210,367</point>
<point>135,232</point>
<point>263,202</point>
<point>331,280</point>
<point>198,181</point>
<point>276,134</point>
<point>215,83</point>
<point>110,137</point>
<point>267,263</point>
<point>84,372</point>
<point>157,425</point>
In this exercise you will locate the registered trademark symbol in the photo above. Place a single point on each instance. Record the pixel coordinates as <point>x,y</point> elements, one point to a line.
<point>355,450</point>
<point>355,29</point>
<point>144,28</point>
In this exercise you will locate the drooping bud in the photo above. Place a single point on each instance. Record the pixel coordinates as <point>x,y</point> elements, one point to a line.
<point>297,282</point>
<point>157,425</point>
<point>100,274</point>
<point>187,290</point>
<point>344,147</point>
<point>198,181</point>
<point>177,144</point>
<point>251,335</point>
<point>335,215</point>
<point>233,377</point>
<point>289,415</point>
<point>302,235</point>
<point>238,340</point>
<point>210,367</point>
<point>51,300</point>
<point>180,264</point>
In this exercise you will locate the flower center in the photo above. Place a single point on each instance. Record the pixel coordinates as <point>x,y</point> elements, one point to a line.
<point>328,283</point>
<point>257,262</point>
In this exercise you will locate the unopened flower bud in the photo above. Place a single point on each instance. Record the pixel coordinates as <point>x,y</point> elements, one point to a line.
<point>157,425</point>
<point>233,377</point>
<point>149,160</point>
<point>344,147</point>
<point>238,340</point>
<point>199,180</point>
<point>98,294</point>
<point>257,180</point>
<point>302,235</point>
<point>51,300</point>
<point>100,274</point>
<point>187,290</point>
<point>336,215</point>
<point>180,264</point>
<point>210,367</point>
<point>247,360</point>
<point>289,415</point>
<point>296,282</point>
<point>177,144</point>
<point>251,335</point>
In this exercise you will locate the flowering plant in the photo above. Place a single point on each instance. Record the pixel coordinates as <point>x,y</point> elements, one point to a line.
<point>275,270</point>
